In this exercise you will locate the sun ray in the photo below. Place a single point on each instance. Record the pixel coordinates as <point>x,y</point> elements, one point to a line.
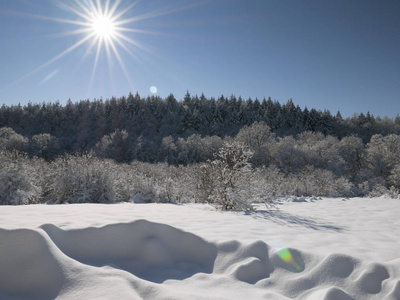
<point>96,60</point>
<point>85,15</point>
<point>87,11</point>
<point>106,8</point>
<point>94,9</point>
<point>123,46</point>
<point>134,43</point>
<point>48,77</point>
<point>55,58</point>
<point>99,8</point>
<point>109,63</point>
<point>116,17</point>
<point>136,30</point>
<point>114,8</point>
<point>68,50</point>
<point>92,45</point>
<point>155,14</point>
<point>59,20</point>
<point>73,32</point>
<point>121,63</point>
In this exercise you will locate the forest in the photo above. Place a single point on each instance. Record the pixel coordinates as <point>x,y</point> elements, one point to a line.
<point>226,151</point>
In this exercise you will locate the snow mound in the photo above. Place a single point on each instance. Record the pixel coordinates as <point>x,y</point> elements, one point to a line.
<point>28,267</point>
<point>330,293</point>
<point>155,252</point>
<point>247,263</point>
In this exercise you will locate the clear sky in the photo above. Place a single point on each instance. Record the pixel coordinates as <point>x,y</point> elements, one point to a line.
<point>324,54</point>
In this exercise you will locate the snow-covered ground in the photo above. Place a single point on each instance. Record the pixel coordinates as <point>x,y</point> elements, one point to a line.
<point>317,249</point>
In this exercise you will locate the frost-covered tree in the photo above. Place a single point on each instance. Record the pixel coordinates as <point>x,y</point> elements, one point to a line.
<point>12,141</point>
<point>114,145</point>
<point>320,151</point>
<point>352,151</point>
<point>168,151</point>
<point>288,156</point>
<point>383,154</point>
<point>259,138</point>
<point>195,149</point>
<point>44,145</point>
<point>232,177</point>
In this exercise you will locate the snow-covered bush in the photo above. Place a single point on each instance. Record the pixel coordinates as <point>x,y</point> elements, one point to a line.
<point>179,184</point>
<point>82,179</point>
<point>17,184</point>
<point>205,184</point>
<point>344,188</point>
<point>160,183</point>
<point>309,182</point>
<point>394,178</point>
<point>366,182</point>
<point>145,192</point>
<point>232,173</point>
<point>123,181</point>
<point>269,183</point>
<point>320,182</point>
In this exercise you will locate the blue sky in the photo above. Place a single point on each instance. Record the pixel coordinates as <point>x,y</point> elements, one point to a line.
<point>332,54</point>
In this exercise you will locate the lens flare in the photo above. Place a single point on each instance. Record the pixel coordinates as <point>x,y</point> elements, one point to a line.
<point>294,264</point>
<point>153,89</point>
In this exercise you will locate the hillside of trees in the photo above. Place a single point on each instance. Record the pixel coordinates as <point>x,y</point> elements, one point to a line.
<point>227,151</point>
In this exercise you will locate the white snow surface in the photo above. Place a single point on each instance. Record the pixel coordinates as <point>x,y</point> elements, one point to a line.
<point>312,249</point>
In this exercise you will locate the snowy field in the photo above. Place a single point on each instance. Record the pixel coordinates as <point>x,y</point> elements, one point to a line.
<point>312,249</point>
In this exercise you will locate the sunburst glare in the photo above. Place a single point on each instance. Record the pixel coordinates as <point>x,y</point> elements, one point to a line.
<point>104,26</point>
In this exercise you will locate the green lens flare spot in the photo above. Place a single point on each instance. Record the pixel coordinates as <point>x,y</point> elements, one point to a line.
<point>291,263</point>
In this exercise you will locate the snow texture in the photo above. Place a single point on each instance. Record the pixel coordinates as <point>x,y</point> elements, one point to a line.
<point>315,249</point>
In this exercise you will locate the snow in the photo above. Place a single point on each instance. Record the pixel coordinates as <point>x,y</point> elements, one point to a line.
<point>309,249</point>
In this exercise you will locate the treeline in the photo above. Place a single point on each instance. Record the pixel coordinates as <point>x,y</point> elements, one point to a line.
<point>144,125</point>
<point>164,151</point>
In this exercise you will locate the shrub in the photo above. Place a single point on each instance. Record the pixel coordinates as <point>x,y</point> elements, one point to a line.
<point>16,180</point>
<point>232,173</point>
<point>82,179</point>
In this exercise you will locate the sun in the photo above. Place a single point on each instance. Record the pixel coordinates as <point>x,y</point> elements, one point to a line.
<point>103,27</point>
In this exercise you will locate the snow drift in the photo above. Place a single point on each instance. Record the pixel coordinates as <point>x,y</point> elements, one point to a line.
<point>142,259</point>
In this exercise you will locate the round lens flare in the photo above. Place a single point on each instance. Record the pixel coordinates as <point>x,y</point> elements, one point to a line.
<point>294,264</point>
<point>153,89</point>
